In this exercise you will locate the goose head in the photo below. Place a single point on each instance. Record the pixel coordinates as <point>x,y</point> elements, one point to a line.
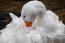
<point>31,11</point>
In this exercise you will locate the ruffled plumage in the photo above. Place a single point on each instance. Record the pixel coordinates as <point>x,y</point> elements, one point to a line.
<point>46,30</point>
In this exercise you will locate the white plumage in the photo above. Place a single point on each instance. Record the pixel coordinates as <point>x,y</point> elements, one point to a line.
<point>46,27</point>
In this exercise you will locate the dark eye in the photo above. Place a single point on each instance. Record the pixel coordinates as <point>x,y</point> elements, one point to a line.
<point>24,16</point>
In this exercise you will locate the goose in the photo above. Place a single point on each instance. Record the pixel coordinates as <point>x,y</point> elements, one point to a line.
<point>36,25</point>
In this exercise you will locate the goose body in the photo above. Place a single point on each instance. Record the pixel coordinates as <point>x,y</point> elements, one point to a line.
<point>46,27</point>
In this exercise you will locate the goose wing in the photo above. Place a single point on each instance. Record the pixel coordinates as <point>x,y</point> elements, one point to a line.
<point>13,30</point>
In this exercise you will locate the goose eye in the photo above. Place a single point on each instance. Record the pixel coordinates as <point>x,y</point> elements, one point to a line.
<point>24,16</point>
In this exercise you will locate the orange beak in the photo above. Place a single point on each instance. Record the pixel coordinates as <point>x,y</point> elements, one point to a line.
<point>28,24</point>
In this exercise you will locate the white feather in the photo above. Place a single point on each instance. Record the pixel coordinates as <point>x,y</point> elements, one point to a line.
<point>46,28</point>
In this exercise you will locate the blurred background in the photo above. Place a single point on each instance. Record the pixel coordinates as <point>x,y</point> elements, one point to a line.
<point>15,6</point>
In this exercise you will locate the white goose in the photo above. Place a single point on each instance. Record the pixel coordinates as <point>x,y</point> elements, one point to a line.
<point>36,25</point>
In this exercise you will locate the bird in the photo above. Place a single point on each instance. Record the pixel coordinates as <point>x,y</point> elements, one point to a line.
<point>35,25</point>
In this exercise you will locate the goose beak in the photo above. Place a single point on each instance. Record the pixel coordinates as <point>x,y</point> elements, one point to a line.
<point>28,24</point>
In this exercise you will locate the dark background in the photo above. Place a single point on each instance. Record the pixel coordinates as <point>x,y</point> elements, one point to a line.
<point>15,6</point>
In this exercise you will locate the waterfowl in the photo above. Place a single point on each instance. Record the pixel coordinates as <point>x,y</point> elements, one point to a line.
<point>36,25</point>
